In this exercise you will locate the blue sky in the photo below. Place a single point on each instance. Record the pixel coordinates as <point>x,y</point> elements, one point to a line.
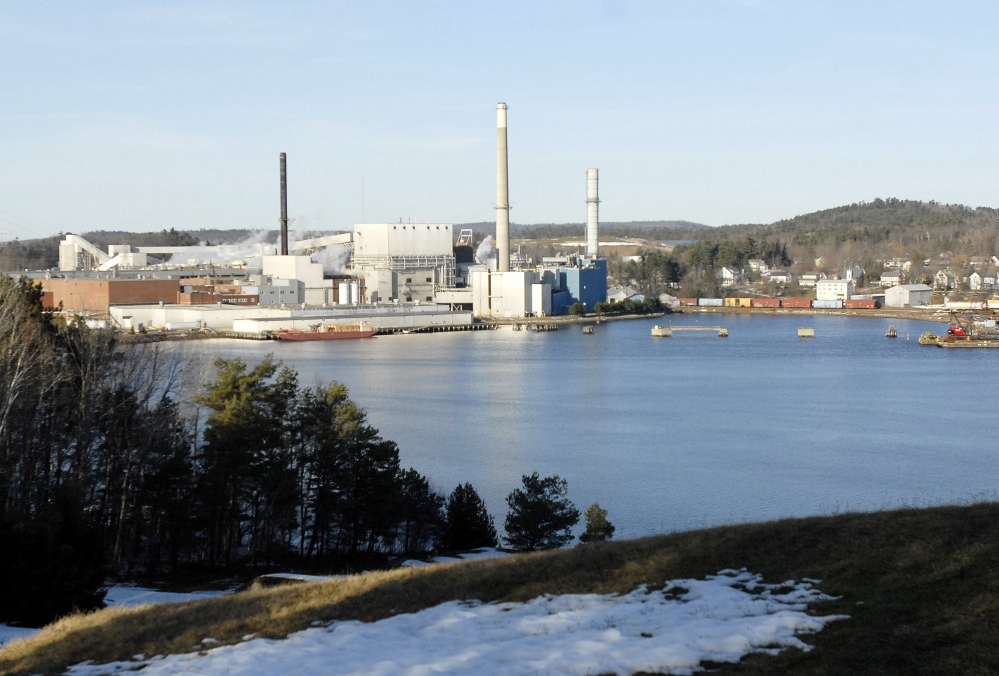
<point>150,115</point>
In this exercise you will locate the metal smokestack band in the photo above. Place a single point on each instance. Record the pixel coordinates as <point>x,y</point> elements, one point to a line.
<point>502,193</point>
<point>592,214</point>
<point>284,206</point>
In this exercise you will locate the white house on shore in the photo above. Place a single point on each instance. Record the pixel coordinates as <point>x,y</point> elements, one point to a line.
<point>727,276</point>
<point>780,276</point>
<point>810,278</point>
<point>945,279</point>
<point>977,281</point>
<point>892,278</point>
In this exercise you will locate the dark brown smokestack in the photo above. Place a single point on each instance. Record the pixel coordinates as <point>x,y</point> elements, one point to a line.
<point>284,207</point>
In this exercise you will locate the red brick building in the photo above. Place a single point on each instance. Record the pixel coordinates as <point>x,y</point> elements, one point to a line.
<point>98,295</point>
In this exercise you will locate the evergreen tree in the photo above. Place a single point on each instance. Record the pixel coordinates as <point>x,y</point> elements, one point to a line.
<point>242,435</point>
<point>420,512</point>
<point>467,522</point>
<point>540,516</point>
<point>366,474</point>
<point>598,528</point>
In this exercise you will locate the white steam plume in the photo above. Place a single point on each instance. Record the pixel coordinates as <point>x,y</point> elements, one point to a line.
<point>225,254</point>
<point>333,258</point>
<point>484,249</point>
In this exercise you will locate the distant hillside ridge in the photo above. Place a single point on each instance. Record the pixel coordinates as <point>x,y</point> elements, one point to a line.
<point>906,225</point>
<point>855,232</point>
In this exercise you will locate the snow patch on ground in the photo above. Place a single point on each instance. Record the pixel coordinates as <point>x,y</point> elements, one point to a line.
<point>720,618</point>
<point>136,596</point>
<point>307,578</point>
<point>481,553</point>
<point>9,633</point>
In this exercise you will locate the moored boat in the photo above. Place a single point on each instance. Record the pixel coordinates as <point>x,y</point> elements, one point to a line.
<point>966,341</point>
<point>966,332</point>
<point>328,332</point>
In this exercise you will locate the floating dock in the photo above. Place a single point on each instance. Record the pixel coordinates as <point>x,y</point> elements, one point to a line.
<point>534,326</point>
<point>667,331</point>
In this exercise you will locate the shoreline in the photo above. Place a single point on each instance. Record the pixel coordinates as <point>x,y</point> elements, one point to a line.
<point>565,319</point>
<point>939,316</point>
<point>936,315</point>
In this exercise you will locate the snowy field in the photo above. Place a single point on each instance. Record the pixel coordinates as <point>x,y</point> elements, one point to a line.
<point>721,618</point>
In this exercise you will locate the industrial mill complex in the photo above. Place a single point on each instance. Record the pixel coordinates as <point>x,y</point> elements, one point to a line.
<point>395,276</point>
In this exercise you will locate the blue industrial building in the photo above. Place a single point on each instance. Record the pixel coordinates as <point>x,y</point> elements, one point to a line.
<point>584,282</point>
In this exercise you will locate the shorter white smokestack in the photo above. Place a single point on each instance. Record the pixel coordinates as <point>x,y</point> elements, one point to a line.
<point>592,215</point>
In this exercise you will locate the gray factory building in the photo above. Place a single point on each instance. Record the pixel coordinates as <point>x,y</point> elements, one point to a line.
<point>404,262</point>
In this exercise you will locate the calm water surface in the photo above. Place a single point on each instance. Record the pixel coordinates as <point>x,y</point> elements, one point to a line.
<point>684,432</point>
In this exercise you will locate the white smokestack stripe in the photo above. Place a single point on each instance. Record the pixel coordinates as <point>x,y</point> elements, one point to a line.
<point>502,193</point>
<point>592,214</point>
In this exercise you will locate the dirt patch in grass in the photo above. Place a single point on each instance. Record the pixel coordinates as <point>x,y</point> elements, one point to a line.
<point>921,588</point>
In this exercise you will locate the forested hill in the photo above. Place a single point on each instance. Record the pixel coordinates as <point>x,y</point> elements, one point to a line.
<point>857,233</point>
<point>904,225</point>
<point>899,225</point>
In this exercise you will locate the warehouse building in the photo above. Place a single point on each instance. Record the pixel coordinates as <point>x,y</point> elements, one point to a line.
<point>908,295</point>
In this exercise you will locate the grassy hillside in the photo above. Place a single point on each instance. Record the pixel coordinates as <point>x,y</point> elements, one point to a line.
<point>921,588</point>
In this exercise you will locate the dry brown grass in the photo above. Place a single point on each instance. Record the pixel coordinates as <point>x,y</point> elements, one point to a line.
<point>927,581</point>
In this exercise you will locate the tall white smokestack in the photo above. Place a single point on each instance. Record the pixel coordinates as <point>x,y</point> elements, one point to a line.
<point>592,215</point>
<point>502,193</point>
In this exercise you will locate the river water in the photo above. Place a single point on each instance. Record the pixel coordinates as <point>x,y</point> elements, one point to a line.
<point>684,432</point>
